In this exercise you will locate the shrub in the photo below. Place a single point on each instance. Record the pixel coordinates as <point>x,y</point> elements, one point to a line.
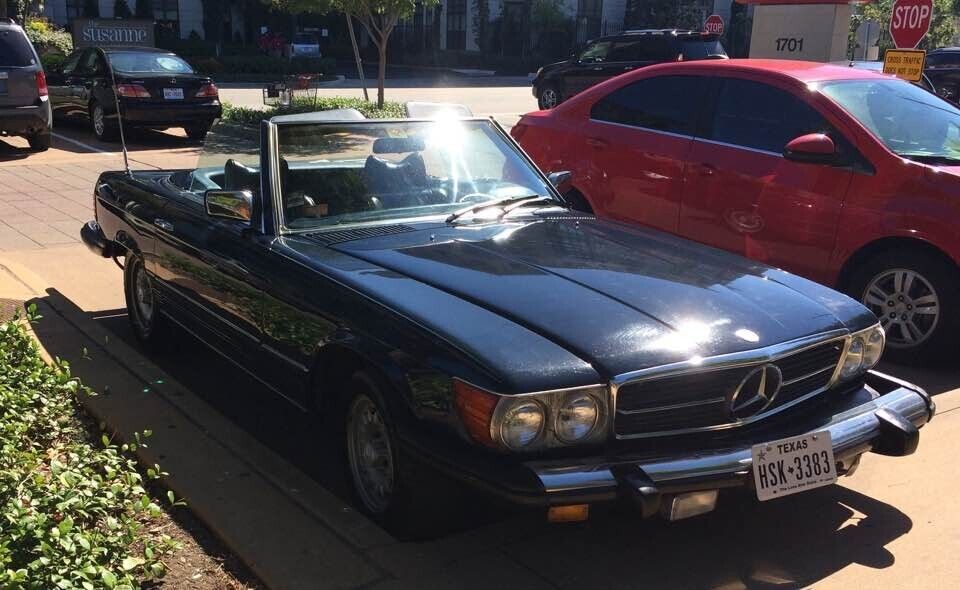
<point>72,503</point>
<point>249,116</point>
<point>52,61</point>
<point>47,38</point>
<point>277,67</point>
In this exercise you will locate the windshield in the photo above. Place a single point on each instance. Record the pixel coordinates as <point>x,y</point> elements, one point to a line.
<point>153,63</point>
<point>15,50</point>
<point>907,119</point>
<point>335,173</point>
<point>701,48</point>
<point>304,39</point>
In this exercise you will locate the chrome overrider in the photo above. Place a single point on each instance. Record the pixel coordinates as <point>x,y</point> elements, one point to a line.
<point>887,424</point>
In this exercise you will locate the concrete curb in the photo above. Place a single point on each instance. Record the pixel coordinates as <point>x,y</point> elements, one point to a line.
<point>301,532</point>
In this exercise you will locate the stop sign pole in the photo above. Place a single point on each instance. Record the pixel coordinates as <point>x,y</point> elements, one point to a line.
<point>909,22</point>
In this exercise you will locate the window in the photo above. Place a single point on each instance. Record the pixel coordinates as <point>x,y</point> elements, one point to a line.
<point>70,64</point>
<point>665,103</point>
<point>645,48</point>
<point>74,8</point>
<point>457,24</point>
<point>166,10</point>
<point>596,51</point>
<point>90,63</point>
<point>758,116</point>
<point>948,59</point>
<point>15,50</point>
<point>154,63</point>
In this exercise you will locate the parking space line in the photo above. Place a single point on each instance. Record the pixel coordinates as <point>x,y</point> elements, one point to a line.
<point>83,145</point>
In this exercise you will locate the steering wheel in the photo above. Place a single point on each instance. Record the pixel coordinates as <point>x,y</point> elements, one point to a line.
<point>475,198</point>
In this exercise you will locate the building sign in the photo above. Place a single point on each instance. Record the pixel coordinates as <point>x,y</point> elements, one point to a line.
<point>101,32</point>
<point>814,32</point>
<point>904,63</point>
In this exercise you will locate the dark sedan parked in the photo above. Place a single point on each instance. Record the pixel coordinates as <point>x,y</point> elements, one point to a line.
<point>422,286</point>
<point>156,89</point>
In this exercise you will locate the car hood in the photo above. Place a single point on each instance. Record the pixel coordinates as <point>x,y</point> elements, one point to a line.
<point>619,298</point>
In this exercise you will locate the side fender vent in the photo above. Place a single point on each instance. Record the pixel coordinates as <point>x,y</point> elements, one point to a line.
<point>347,235</point>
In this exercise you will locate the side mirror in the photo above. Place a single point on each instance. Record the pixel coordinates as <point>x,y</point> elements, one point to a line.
<point>559,178</point>
<point>223,204</point>
<point>813,148</point>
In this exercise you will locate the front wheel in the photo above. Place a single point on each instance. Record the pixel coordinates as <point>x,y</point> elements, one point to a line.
<point>549,97</point>
<point>916,296</point>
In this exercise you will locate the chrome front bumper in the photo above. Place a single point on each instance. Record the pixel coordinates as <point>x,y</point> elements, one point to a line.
<point>885,422</point>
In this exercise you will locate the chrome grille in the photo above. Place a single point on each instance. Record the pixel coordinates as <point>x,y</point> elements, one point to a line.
<point>660,405</point>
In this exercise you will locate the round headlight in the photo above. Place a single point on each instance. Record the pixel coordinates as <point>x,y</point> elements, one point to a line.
<point>577,418</point>
<point>522,424</point>
<point>872,347</point>
<point>853,359</point>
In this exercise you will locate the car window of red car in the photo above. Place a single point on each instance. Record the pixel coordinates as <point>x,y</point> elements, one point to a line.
<point>759,116</point>
<point>664,103</point>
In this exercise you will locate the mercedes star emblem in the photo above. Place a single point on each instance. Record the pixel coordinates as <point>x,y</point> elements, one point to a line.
<point>756,392</point>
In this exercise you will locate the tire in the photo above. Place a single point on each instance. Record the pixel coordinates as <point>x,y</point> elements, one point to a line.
<point>143,306</point>
<point>392,488</point>
<point>39,142</point>
<point>103,129</point>
<point>916,295</point>
<point>549,97</point>
<point>199,131</point>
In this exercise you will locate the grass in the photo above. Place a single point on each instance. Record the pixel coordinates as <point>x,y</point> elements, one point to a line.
<point>73,503</point>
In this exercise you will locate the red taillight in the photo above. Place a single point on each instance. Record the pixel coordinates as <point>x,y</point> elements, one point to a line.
<point>41,83</point>
<point>208,91</point>
<point>476,408</point>
<point>132,91</point>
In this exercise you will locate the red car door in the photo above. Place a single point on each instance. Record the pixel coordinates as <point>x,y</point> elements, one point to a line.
<point>638,138</point>
<point>742,195</point>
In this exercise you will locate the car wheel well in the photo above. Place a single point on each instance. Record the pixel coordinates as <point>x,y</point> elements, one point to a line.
<point>333,369</point>
<point>882,245</point>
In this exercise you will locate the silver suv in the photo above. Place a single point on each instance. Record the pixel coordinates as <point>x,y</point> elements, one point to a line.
<point>24,104</point>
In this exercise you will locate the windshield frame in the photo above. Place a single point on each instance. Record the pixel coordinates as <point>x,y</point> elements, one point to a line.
<point>276,191</point>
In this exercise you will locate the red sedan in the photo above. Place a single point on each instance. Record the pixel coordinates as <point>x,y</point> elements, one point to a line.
<point>845,176</point>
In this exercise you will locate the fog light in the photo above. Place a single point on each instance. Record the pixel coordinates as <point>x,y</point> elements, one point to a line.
<point>572,513</point>
<point>689,504</point>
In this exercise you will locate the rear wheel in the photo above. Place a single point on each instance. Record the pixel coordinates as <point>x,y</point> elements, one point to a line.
<point>549,97</point>
<point>916,296</point>
<point>39,142</point>
<point>198,131</point>
<point>143,306</point>
<point>103,129</point>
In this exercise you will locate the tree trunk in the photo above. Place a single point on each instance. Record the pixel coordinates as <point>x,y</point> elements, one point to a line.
<point>381,73</point>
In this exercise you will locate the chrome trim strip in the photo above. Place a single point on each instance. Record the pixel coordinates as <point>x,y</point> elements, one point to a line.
<point>813,374</point>
<point>852,433</point>
<point>714,400</point>
<point>727,361</point>
<point>297,364</point>
<point>647,129</point>
<point>738,147</point>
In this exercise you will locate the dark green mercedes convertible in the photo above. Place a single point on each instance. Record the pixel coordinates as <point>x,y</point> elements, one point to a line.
<point>422,287</point>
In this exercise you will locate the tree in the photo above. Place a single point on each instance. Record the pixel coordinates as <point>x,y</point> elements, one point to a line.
<point>942,27</point>
<point>378,17</point>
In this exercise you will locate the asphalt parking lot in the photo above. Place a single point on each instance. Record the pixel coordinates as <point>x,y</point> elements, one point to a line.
<point>889,526</point>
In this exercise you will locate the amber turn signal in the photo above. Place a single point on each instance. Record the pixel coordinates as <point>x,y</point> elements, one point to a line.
<point>476,408</point>
<point>572,513</point>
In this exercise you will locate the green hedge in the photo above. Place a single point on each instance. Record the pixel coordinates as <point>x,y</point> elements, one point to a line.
<point>264,65</point>
<point>249,116</point>
<point>72,503</point>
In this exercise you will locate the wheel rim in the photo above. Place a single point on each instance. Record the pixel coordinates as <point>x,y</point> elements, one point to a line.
<point>142,296</point>
<point>907,305</point>
<point>549,98</point>
<point>370,454</point>
<point>98,119</point>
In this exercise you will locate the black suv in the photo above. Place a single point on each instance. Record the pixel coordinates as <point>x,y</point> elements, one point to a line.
<point>24,104</point>
<point>607,57</point>
<point>942,67</point>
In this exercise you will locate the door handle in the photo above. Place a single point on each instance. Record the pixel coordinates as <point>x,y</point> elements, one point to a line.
<point>596,142</point>
<point>597,69</point>
<point>707,169</point>
<point>627,68</point>
<point>163,224</point>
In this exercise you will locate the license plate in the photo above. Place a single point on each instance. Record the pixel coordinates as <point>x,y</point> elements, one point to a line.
<point>793,465</point>
<point>173,93</point>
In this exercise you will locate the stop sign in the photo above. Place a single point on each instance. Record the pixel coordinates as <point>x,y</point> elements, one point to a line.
<point>910,21</point>
<point>714,24</point>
